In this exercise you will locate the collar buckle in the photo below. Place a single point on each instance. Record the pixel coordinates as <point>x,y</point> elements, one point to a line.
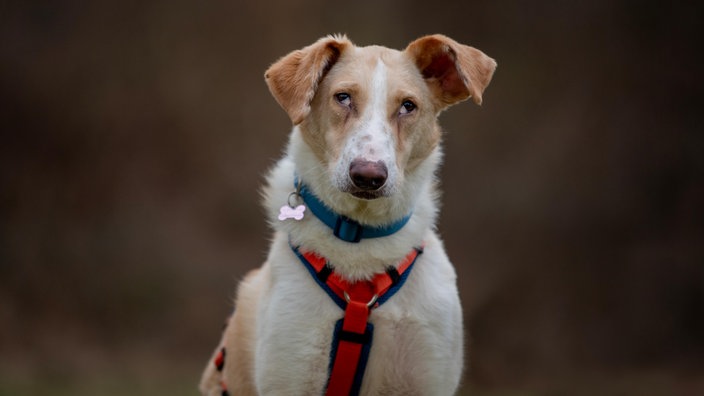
<point>347,229</point>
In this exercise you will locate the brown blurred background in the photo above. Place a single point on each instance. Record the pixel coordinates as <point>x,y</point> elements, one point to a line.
<point>135,135</point>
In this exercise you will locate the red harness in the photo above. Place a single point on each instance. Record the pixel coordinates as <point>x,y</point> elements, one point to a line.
<point>353,333</point>
<point>352,337</point>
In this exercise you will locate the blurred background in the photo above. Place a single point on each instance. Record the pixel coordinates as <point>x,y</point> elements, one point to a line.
<point>135,137</point>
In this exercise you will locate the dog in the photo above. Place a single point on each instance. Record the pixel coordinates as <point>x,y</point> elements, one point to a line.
<point>357,295</point>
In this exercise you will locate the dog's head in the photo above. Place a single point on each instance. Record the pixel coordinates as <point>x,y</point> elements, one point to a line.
<point>370,113</point>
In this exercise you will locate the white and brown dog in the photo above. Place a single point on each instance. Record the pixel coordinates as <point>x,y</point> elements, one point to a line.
<point>345,302</point>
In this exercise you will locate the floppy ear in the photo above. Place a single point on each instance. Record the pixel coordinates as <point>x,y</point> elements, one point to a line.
<point>294,78</point>
<point>453,71</point>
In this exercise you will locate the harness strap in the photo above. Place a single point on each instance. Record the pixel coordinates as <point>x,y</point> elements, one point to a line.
<point>353,334</point>
<point>351,346</point>
<point>219,362</point>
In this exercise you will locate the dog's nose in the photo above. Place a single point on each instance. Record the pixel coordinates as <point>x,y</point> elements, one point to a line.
<point>368,175</point>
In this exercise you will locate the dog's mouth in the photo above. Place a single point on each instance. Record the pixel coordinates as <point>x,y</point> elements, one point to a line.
<point>367,195</point>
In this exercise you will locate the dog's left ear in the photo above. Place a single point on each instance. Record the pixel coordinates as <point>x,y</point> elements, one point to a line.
<point>453,71</point>
<point>294,78</point>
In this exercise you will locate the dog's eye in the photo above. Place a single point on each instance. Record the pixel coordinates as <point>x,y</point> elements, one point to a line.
<point>406,107</point>
<point>343,98</point>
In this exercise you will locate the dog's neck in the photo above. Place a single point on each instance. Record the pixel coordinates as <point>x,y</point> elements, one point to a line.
<point>361,260</point>
<point>343,227</point>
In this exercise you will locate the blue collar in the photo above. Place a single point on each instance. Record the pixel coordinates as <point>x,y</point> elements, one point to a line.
<point>343,227</point>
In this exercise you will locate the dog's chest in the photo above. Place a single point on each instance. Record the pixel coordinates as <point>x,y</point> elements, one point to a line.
<point>296,326</point>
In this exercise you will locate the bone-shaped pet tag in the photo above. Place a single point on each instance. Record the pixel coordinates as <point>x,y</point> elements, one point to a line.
<point>288,212</point>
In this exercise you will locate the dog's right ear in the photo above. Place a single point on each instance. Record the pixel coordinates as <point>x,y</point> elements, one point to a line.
<point>294,78</point>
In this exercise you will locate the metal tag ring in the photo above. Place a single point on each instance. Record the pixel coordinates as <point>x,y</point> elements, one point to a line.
<point>292,194</point>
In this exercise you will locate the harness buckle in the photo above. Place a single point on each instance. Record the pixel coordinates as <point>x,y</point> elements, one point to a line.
<point>369,304</point>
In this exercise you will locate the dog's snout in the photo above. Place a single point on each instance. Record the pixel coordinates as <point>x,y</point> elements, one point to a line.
<point>368,175</point>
